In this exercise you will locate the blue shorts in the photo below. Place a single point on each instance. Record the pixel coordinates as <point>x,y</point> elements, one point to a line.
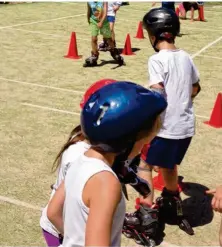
<point>165,153</point>
<point>111,18</point>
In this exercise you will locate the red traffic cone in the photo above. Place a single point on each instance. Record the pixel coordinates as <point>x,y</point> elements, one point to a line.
<point>158,183</point>
<point>127,48</point>
<point>140,34</point>
<point>216,115</point>
<point>201,13</point>
<point>73,52</point>
<point>177,11</point>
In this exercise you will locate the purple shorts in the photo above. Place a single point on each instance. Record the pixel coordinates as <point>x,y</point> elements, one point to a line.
<point>50,239</point>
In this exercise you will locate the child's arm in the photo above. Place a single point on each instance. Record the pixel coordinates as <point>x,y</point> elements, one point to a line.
<point>105,8</point>
<point>88,12</point>
<point>196,89</point>
<point>104,192</point>
<point>55,208</point>
<point>195,80</point>
<point>156,74</point>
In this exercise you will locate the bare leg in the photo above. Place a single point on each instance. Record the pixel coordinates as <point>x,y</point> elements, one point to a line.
<point>111,25</point>
<point>94,45</point>
<point>145,172</point>
<point>170,178</point>
<point>110,43</point>
<point>192,14</point>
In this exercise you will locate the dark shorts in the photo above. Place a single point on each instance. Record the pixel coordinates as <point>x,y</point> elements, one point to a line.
<point>188,5</point>
<point>111,18</point>
<point>165,153</point>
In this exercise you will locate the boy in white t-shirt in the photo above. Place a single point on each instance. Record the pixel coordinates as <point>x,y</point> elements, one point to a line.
<point>173,74</point>
<point>113,7</point>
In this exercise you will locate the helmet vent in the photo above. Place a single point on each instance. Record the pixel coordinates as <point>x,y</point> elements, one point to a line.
<point>104,109</point>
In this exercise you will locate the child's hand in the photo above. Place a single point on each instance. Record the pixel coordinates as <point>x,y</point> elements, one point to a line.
<point>99,24</point>
<point>217,198</point>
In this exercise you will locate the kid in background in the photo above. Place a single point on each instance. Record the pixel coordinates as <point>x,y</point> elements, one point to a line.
<point>113,7</point>
<point>97,19</point>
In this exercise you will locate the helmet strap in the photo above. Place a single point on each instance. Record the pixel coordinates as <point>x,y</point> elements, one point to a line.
<point>121,159</point>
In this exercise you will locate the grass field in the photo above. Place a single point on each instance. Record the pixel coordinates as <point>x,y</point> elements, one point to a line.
<point>40,92</point>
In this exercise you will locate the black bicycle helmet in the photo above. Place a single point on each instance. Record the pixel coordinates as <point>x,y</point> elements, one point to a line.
<point>162,23</point>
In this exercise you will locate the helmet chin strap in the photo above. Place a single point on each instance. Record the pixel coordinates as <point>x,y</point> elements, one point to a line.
<point>120,159</point>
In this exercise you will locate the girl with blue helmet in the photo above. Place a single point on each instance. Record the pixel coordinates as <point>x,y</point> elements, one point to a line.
<point>90,199</point>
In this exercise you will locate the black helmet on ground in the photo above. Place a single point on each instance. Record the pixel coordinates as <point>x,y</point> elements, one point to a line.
<point>162,23</point>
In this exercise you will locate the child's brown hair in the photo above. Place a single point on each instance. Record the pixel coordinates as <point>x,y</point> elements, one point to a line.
<point>74,137</point>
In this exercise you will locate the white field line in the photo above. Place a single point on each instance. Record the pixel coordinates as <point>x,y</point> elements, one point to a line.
<point>200,116</point>
<point>78,38</point>
<point>46,34</point>
<point>42,86</point>
<point>50,109</point>
<point>19,203</point>
<point>71,113</point>
<point>30,206</point>
<point>211,57</point>
<point>206,47</point>
<point>37,32</point>
<point>43,21</point>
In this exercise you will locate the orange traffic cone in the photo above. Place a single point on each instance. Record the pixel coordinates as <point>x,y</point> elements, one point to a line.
<point>158,182</point>
<point>127,48</point>
<point>140,34</point>
<point>216,115</point>
<point>73,52</point>
<point>201,13</point>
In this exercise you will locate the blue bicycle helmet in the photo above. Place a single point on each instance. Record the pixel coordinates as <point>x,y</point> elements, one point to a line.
<point>113,116</point>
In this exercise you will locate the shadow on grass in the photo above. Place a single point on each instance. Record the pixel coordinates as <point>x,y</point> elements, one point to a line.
<point>197,208</point>
<point>133,50</point>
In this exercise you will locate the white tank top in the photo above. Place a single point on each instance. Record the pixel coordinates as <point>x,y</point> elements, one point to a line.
<point>75,211</point>
<point>68,157</point>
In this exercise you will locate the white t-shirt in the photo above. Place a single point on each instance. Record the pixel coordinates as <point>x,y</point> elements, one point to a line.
<point>68,157</point>
<point>176,70</point>
<point>75,212</point>
<point>110,11</point>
